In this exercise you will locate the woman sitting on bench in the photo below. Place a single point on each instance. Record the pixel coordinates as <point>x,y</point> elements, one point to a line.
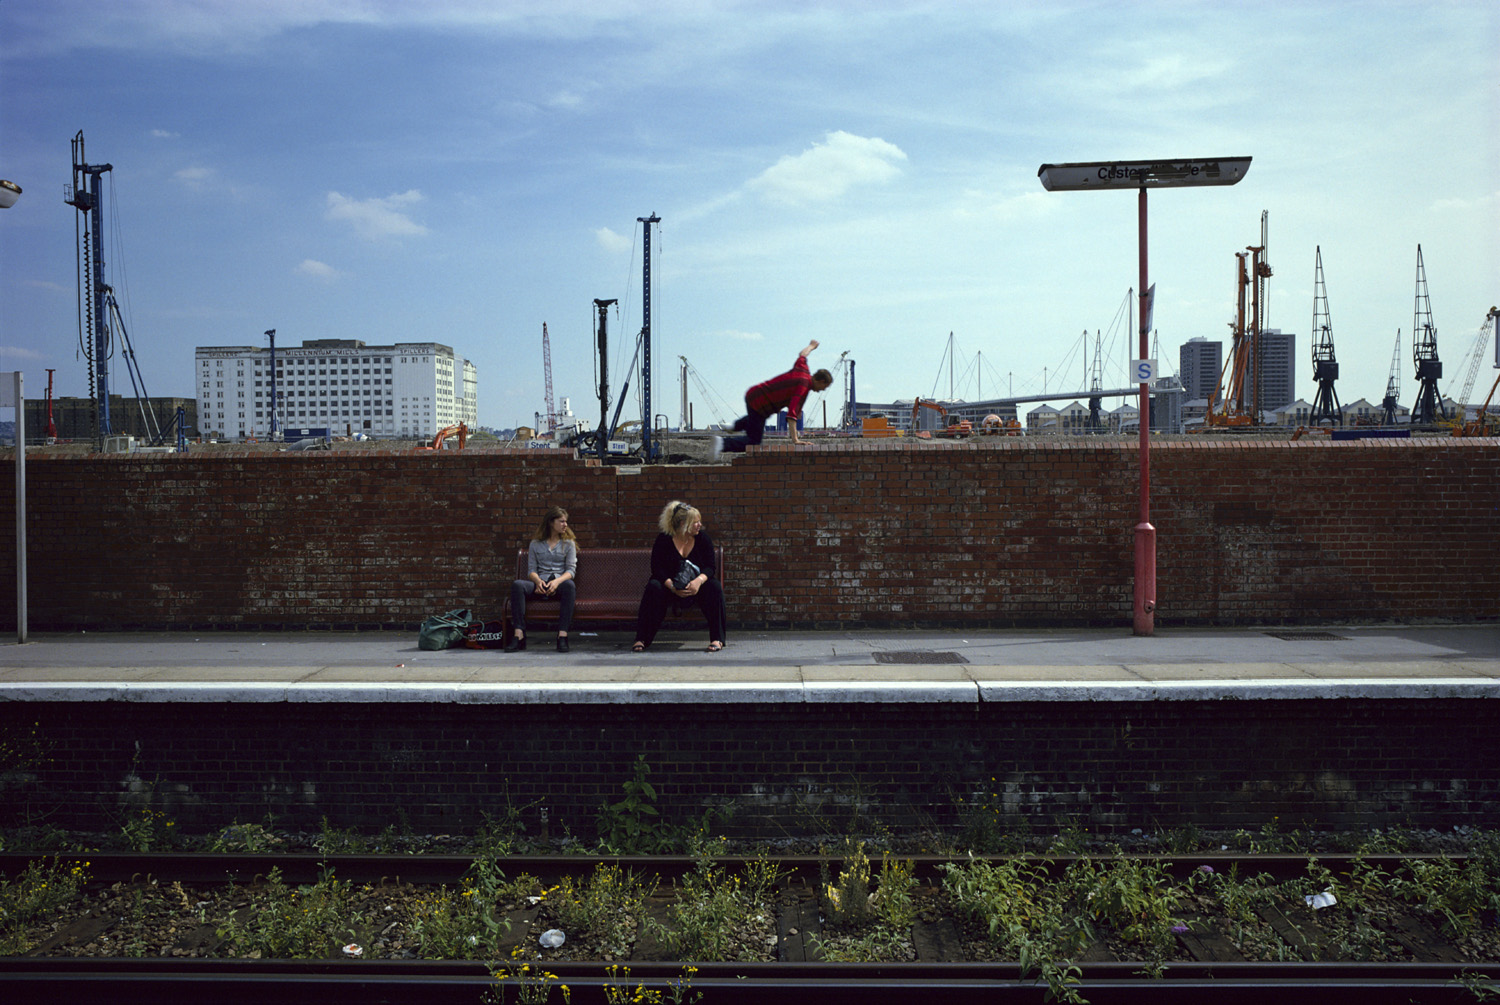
<point>551,565</point>
<point>682,574</point>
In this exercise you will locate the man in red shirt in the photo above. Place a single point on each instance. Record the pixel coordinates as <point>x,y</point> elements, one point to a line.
<point>788,391</point>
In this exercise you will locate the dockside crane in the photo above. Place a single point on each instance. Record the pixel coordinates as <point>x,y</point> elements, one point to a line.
<point>1325,365</point>
<point>1392,385</point>
<point>1424,355</point>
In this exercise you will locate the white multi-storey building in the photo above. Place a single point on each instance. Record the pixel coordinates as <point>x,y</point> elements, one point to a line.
<point>407,389</point>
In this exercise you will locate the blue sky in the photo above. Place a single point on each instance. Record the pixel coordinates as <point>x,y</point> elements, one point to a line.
<point>863,173</point>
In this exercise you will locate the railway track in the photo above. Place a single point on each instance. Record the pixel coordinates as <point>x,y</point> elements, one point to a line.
<point>1206,964</point>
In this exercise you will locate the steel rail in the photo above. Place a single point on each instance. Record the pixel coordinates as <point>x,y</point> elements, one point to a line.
<point>224,982</point>
<point>206,867</point>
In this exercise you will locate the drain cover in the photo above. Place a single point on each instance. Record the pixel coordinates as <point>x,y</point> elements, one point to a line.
<point>1307,636</point>
<point>920,656</point>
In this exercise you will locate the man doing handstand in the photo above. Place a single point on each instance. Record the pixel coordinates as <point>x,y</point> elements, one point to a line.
<point>788,391</point>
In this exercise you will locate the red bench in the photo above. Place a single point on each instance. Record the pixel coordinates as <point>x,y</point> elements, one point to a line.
<point>610,581</point>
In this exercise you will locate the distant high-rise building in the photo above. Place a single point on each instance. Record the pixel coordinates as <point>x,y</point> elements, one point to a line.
<point>406,389</point>
<point>1278,369</point>
<point>1199,363</point>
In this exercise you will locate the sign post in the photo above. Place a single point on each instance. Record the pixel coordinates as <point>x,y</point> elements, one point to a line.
<point>1141,175</point>
<point>12,395</point>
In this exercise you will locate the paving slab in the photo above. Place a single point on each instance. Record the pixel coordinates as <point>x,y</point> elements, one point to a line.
<point>892,665</point>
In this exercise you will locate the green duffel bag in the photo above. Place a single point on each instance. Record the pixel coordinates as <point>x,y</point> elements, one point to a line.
<point>443,630</point>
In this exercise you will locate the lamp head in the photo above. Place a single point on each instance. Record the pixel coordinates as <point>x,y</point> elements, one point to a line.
<point>9,193</point>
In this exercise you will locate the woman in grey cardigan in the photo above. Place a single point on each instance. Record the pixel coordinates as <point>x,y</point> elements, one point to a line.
<point>551,564</point>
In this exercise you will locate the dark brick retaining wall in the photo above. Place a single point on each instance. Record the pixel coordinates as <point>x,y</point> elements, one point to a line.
<point>798,769</point>
<point>1033,532</point>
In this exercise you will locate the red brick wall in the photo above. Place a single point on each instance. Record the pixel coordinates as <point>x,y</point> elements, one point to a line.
<point>880,532</point>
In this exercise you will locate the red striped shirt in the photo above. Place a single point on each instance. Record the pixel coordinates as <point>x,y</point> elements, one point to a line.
<point>788,391</point>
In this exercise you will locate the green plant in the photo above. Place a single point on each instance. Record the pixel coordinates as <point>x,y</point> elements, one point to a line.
<point>606,904</point>
<point>287,922</point>
<point>632,825</point>
<point>1071,840</point>
<point>466,922</point>
<point>533,985</point>
<point>845,900</point>
<point>1026,916</point>
<point>40,889</point>
<point>1458,895</point>
<point>333,840</point>
<point>1481,986</point>
<point>617,989</point>
<point>711,905</point>
<point>147,830</point>
<point>250,838</point>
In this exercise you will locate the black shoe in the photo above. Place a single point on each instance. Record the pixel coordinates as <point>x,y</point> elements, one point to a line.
<point>515,644</point>
<point>562,643</point>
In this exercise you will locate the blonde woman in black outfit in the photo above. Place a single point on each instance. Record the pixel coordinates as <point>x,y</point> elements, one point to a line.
<point>682,575</point>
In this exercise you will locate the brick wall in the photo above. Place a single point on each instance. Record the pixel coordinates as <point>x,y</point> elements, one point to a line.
<point>785,769</point>
<point>866,533</point>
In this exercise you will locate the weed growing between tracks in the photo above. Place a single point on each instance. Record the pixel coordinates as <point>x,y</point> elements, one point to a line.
<point>42,890</point>
<point>717,915</point>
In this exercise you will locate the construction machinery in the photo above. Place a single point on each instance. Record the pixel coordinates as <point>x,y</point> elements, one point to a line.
<point>547,372</point>
<point>1484,424</point>
<point>461,430</point>
<point>1236,400</point>
<point>1470,368</point>
<point>954,427</point>
<point>1424,355</point>
<point>1325,365</point>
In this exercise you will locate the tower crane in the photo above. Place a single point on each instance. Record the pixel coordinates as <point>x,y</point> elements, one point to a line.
<point>1480,424</point>
<point>1392,385</point>
<point>1424,355</point>
<point>547,371</point>
<point>1470,366</point>
<point>1325,365</point>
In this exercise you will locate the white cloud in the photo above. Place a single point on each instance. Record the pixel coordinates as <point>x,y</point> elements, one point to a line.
<point>19,352</point>
<point>739,336</point>
<point>319,270</point>
<point>1466,205</point>
<point>374,219</point>
<point>611,241</point>
<point>163,134</point>
<point>195,178</point>
<point>829,169</point>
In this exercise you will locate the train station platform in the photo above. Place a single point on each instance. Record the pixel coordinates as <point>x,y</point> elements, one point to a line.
<point>892,666</point>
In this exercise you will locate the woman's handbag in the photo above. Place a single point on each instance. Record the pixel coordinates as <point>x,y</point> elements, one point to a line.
<point>443,630</point>
<point>685,575</point>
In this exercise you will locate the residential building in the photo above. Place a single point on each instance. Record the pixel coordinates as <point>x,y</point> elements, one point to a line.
<point>408,389</point>
<point>1199,364</point>
<point>1277,367</point>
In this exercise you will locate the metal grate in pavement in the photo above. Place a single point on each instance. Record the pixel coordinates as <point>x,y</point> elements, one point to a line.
<point>1307,636</point>
<point>918,656</point>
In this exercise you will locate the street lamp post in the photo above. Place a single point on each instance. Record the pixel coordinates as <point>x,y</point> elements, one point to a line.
<point>1143,175</point>
<point>9,193</point>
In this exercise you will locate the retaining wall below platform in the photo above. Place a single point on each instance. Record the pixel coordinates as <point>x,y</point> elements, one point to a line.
<point>981,533</point>
<point>782,768</point>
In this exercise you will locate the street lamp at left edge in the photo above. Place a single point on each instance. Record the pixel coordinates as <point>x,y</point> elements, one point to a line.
<point>9,193</point>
